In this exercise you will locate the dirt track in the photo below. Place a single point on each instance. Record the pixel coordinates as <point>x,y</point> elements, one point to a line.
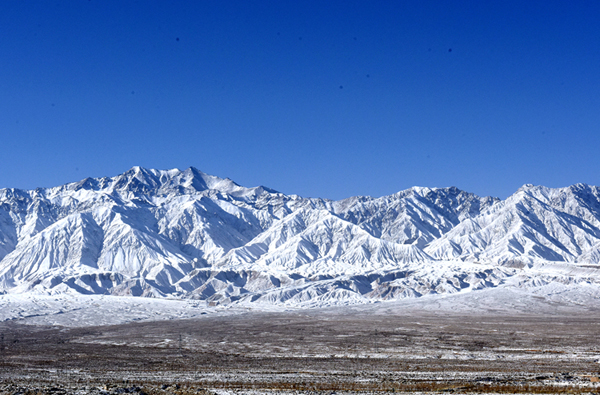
<point>325,351</point>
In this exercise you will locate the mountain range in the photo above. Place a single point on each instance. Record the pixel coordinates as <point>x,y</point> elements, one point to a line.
<point>187,234</point>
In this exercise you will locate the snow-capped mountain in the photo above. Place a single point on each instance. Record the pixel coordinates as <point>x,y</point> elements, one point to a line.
<point>191,235</point>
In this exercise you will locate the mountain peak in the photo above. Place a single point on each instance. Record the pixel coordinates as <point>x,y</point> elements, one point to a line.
<point>527,187</point>
<point>185,233</point>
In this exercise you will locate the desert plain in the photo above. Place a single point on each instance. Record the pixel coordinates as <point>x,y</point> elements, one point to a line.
<point>360,349</point>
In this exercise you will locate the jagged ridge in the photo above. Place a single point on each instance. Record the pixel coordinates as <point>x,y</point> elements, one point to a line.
<point>188,234</point>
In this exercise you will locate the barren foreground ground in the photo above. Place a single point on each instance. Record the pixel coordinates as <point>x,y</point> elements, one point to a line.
<point>334,350</point>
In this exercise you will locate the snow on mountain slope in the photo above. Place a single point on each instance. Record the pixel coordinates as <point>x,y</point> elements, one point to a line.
<point>69,244</point>
<point>8,233</point>
<point>415,216</point>
<point>186,234</point>
<point>535,224</point>
<point>317,241</point>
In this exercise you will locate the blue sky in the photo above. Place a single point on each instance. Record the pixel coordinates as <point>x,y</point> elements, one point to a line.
<point>321,99</point>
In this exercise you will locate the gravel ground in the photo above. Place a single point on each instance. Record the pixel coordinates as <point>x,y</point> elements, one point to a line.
<point>324,351</point>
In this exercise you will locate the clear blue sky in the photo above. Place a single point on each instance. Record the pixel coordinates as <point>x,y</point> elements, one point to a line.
<point>322,99</point>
